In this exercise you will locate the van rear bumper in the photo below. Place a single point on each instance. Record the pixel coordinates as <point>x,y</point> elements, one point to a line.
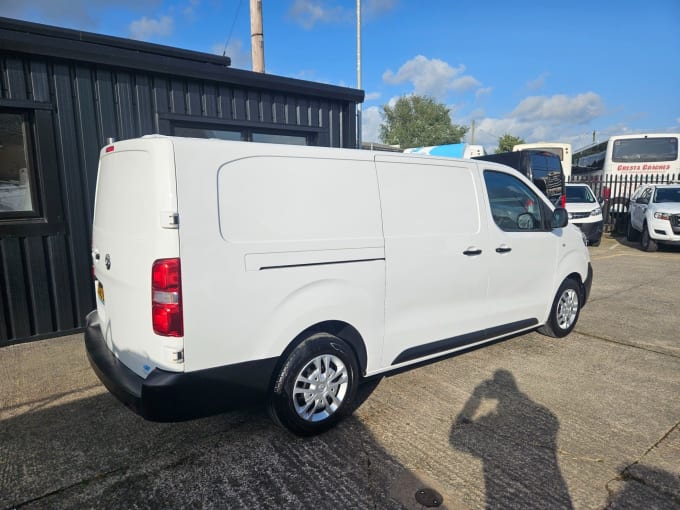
<point>172,396</point>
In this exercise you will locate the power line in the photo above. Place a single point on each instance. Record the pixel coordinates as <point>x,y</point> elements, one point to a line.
<point>231,30</point>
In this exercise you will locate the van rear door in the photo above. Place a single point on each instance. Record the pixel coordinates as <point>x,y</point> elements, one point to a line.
<point>134,224</point>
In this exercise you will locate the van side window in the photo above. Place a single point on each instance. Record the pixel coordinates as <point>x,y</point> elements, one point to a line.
<point>514,206</point>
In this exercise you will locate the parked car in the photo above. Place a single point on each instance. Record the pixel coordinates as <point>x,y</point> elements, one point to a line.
<point>585,212</point>
<point>654,215</point>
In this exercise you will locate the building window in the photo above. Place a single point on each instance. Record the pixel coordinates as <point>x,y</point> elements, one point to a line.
<point>245,134</point>
<point>17,182</point>
<point>221,134</point>
<point>279,138</point>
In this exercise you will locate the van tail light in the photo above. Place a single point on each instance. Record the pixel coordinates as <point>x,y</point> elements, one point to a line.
<point>606,192</point>
<point>166,297</point>
<point>563,201</point>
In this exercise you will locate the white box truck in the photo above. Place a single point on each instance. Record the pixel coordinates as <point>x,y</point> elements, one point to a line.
<point>230,273</point>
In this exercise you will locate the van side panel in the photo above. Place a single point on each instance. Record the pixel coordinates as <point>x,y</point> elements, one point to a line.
<point>432,216</point>
<point>273,240</point>
<point>135,182</point>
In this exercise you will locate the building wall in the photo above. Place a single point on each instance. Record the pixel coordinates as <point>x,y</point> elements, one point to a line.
<point>72,108</point>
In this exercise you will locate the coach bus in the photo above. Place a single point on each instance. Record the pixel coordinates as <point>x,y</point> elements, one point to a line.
<point>563,150</point>
<point>647,154</point>
<point>618,165</point>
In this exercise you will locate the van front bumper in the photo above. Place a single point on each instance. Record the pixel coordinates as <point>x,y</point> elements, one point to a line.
<point>593,230</point>
<point>176,396</point>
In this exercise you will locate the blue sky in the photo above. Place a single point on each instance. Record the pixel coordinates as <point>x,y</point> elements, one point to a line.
<point>538,70</point>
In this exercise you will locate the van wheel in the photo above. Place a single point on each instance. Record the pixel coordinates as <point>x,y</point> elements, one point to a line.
<point>565,310</point>
<point>646,242</point>
<point>316,386</point>
<point>631,233</point>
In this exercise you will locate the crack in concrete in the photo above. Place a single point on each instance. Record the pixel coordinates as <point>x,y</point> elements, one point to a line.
<point>61,490</point>
<point>642,348</point>
<point>625,475</point>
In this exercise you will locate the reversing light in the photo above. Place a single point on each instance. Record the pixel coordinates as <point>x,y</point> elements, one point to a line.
<point>166,297</point>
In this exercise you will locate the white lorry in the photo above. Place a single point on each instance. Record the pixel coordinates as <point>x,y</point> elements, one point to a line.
<point>229,273</point>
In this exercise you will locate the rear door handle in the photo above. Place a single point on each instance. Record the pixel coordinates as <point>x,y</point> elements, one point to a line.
<point>472,251</point>
<point>503,249</point>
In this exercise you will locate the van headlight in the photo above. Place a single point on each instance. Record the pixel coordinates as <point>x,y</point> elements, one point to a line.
<point>662,216</point>
<point>596,212</point>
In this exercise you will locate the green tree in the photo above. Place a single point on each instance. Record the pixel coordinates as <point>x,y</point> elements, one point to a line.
<point>507,142</point>
<point>418,121</point>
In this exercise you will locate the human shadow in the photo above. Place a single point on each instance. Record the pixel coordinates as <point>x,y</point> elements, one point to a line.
<point>516,440</point>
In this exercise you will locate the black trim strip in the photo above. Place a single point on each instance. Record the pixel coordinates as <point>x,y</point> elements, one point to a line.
<point>321,263</point>
<point>447,344</point>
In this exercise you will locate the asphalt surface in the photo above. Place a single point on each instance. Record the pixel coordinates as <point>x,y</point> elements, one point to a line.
<point>590,421</point>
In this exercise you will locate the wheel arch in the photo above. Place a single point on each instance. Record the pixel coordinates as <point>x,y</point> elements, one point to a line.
<point>342,330</point>
<point>580,281</point>
<point>583,296</point>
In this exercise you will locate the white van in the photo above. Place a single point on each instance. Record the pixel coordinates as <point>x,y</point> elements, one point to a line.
<point>230,273</point>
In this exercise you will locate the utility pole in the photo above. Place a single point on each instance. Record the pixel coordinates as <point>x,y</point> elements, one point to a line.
<point>472,133</point>
<point>256,36</point>
<point>359,72</point>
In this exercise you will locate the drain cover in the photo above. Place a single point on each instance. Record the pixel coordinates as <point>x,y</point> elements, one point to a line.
<point>429,498</point>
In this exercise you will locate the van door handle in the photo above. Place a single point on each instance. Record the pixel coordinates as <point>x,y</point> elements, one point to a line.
<point>503,249</point>
<point>472,251</point>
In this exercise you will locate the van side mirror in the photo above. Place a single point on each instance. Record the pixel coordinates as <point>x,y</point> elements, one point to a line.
<point>560,218</point>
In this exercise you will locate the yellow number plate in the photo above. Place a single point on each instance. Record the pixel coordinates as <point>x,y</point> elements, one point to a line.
<point>100,292</point>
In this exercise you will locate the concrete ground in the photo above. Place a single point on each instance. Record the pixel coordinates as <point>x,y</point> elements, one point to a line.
<point>590,421</point>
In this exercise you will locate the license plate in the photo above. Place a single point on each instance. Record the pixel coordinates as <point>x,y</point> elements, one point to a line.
<point>100,292</point>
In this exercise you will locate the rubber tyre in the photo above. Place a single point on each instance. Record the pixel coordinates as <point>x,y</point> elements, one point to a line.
<point>569,291</point>
<point>596,243</point>
<point>282,402</point>
<point>631,233</point>
<point>646,242</point>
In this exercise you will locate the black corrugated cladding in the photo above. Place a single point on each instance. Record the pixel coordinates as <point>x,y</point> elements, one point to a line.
<point>76,90</point>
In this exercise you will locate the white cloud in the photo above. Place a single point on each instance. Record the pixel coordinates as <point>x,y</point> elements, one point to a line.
<point>557,118</point>
<point>370,124</point>
<point>577,109</point>
<point>240,56</point>
<point>538,83</point>
<point>431,77</point>
<point>372,96</point>
<point>464,84</point>
<point>310,12</point>
<point>373,8</point>
<point>190,10</point>
<point>148,28</point>
<point>483,92</point>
